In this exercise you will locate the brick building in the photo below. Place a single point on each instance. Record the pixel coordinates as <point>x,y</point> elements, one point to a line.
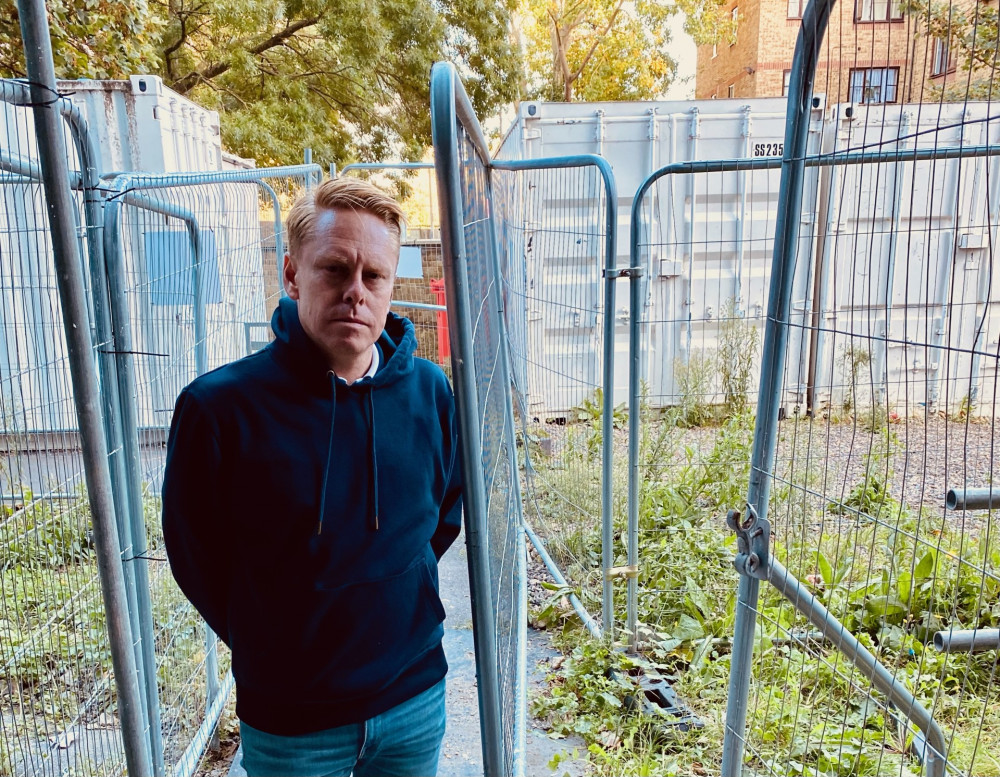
<point>872,53</point>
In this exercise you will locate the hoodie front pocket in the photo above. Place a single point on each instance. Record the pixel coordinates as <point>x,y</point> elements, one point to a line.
<point>363,635</point>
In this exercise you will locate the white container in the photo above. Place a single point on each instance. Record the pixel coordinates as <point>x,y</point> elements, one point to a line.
<point>710,240</point>
<point>137,125</point>
<point>907,279</point>
<point>142,125</point>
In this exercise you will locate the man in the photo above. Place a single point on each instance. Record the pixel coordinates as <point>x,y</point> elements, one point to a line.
<point>309,491</point>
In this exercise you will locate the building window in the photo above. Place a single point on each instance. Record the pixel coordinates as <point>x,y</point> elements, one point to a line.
<point>786,79</point>
<point>941,58</point>
<point>795,8</point>
<point>736,22</point>
<point>874,85</point>
<point>878,11</point>
<point>732,90</point>
<point>715,50</point>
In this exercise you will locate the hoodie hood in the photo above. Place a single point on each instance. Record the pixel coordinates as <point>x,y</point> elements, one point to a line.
<point>297,352</point>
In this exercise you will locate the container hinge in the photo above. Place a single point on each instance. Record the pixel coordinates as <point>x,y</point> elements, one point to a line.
<point>624,272</point>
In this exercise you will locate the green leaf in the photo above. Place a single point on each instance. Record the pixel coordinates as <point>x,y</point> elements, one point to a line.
<point>825,570</point>
<point>687,628</point>
<point>925,567</point>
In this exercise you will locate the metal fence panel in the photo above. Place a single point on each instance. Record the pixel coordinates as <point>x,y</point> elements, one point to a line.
<point>494,528</point>
<point>57,706</point>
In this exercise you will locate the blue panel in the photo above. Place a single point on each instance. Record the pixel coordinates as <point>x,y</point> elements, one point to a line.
<point>411,264</point>
<point>168,267</point>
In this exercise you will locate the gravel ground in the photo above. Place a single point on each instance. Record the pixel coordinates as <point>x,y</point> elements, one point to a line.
<point>928,456</point>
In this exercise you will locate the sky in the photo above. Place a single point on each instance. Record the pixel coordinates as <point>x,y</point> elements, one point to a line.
<point>683,50</point>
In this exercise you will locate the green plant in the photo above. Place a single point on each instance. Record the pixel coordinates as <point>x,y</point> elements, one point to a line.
<point>45,533</point>
<point>693,379</point>
<point>591,412</point>
<point>738,349</point>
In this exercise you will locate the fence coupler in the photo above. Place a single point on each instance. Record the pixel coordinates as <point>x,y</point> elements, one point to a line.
<point>624,272</point>
<point>753,535</point>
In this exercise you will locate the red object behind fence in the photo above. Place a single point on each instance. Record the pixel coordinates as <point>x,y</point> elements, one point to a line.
<point>444,345</point>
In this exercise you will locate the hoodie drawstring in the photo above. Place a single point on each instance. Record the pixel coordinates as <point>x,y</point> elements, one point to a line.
<point>329,452</point>
<point>371,420</point>
<point>329,455</point>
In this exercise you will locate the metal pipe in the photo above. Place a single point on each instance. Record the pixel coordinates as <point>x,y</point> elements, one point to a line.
<point>447,109</point>
<point>250,175</point>
<point>934,755</point>
<point>387,166</point>
<point>192,755</point>
<point>60,206</point>
<point>967,640</point>
<point>588,622</point>
<point>419,306</point>
<point>279,248</point>
<point>972,499</point>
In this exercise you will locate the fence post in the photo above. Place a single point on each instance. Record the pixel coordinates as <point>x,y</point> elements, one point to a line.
<point>55,177</point>
<point>753,529</point>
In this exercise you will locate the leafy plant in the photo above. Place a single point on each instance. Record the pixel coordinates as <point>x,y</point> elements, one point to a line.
<point>738,350</point>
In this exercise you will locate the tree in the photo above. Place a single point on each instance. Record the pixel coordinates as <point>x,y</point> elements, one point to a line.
<point>348,78</point>
<point>708,21</point>
<point>971,32</point>
<point>596,49</point>
<point>92,39</point>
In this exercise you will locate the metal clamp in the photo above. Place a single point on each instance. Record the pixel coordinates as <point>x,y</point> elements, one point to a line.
<point>625,572</point>
<point>624,272</point>
<point>753,537</point>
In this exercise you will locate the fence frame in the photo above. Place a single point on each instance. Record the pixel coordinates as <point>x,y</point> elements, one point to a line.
<point>451,105</point>
<point>53,165</point>
<point>754,561</point>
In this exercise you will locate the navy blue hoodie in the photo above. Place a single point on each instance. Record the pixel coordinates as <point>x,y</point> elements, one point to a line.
<point>304,518</point>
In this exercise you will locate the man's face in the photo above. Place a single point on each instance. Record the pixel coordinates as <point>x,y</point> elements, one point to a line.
<point>342,280</point>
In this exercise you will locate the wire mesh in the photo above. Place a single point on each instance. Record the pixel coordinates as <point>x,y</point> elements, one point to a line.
<point>57,698</point>
<point>898,353</point>
<point>498,440</point>
<point>903,409</point>
<point>236,260</point>
<point>551,226</point>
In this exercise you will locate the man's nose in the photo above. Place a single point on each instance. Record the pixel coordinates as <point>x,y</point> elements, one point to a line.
<point>355,291</point>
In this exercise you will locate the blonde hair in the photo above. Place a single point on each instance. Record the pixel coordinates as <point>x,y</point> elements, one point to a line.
<point>340,193</point>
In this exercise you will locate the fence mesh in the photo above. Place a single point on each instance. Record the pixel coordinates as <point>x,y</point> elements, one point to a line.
<point>552,240</point>
<point>498,440</point>
<point>903,405</point>
<point>57,695</point>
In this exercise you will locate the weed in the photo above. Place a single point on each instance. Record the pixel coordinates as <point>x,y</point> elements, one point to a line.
<point>738,349</point>
<point>694,390</point>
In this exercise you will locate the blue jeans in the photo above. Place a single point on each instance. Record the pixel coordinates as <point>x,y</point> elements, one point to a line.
<point>402,742</point>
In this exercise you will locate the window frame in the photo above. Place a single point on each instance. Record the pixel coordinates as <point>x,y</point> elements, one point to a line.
<point>949,64</point>
<point>788,8</point>
<point>890,7</point>
<point>885,70</point>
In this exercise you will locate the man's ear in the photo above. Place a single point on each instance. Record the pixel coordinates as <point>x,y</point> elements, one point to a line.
<point>288,273</point>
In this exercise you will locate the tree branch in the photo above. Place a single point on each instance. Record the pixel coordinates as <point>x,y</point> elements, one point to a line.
<point>207,73</point>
